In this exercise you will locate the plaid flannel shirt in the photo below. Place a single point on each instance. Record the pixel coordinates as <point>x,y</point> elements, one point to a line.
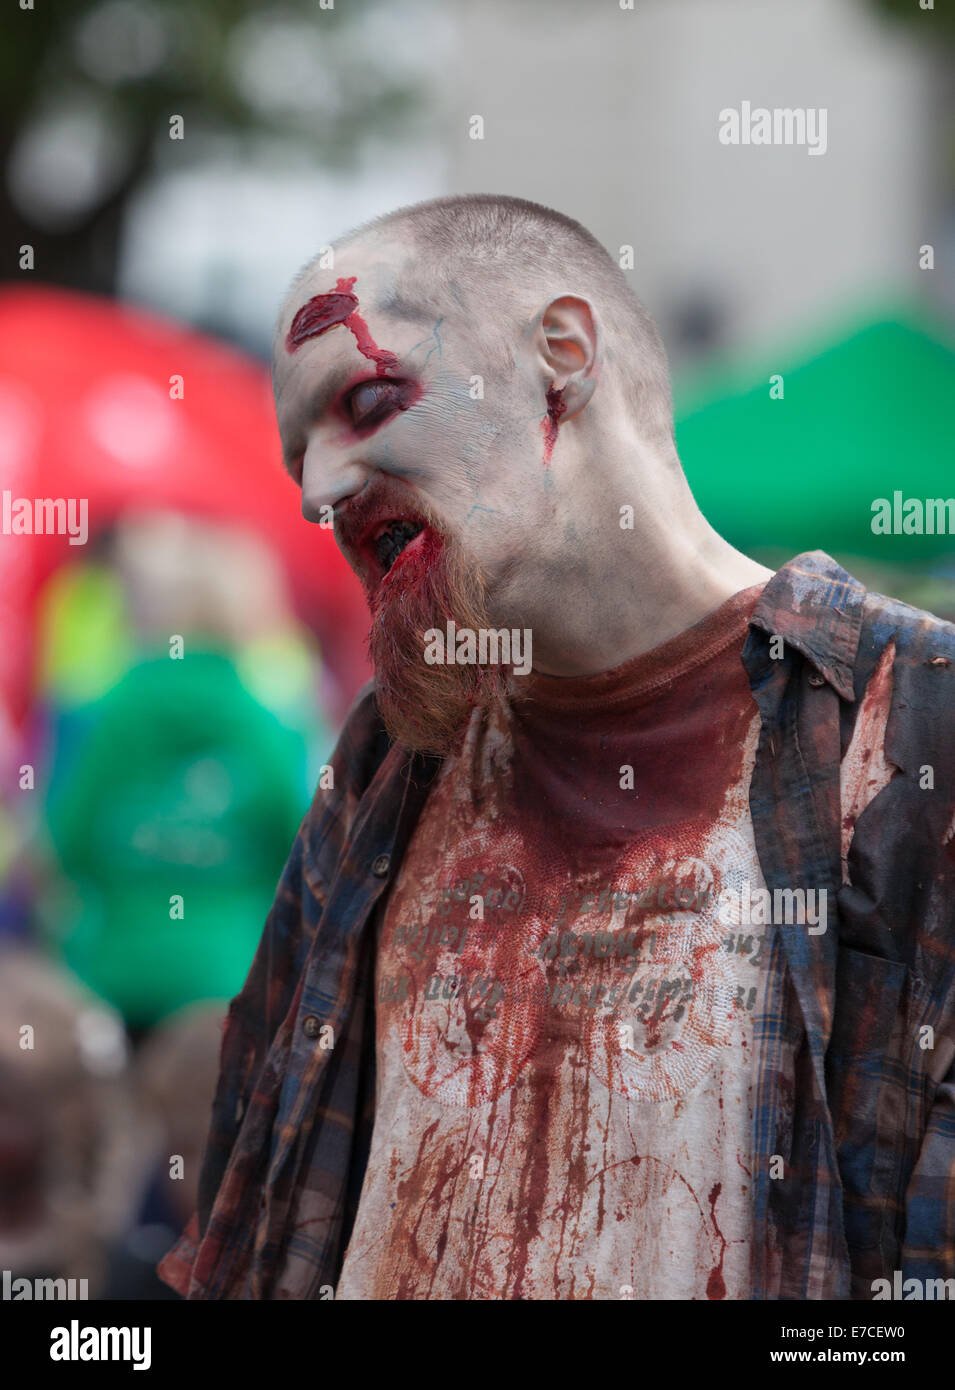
<point>854,1173</point>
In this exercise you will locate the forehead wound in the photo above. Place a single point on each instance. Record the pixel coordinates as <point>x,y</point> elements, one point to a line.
<point>337,307</point>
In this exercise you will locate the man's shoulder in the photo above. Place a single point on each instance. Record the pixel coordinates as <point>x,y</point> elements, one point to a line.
<point>920,647</point>
<point>844,627</point>
<point>923,642</point>
<point>913,626</point>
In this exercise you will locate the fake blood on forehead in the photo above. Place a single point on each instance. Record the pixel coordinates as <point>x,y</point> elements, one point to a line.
<point>325,311</point>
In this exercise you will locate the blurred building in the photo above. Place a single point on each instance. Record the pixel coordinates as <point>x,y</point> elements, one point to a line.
<point>612,116</point>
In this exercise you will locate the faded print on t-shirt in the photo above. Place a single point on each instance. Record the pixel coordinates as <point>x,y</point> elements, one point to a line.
<point>564,1017</point>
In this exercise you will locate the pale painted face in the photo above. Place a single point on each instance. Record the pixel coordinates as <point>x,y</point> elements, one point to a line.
<point>384,413</point>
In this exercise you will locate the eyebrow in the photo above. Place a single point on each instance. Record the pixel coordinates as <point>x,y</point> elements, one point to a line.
<point>394,303</point>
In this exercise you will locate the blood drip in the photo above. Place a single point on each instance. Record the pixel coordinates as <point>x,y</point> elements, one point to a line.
<point>325,311</point>
<point>555,409</point>
<point>716,1285</point>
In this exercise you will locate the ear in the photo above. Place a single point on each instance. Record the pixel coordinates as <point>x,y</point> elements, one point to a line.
<point>568,341</point>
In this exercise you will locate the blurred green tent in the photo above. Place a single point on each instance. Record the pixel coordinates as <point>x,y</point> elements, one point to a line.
<point>863,417</point>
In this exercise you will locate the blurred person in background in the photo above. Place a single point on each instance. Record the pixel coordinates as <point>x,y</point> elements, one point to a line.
<point>181,697</point>
<point>172,780</point>
<point>173,1081</point>
<point>66,1125</point>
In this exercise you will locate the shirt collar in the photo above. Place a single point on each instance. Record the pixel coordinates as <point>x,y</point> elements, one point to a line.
<point>816,606</point>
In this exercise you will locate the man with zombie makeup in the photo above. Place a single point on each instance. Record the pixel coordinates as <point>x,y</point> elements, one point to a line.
<point>630,977</point>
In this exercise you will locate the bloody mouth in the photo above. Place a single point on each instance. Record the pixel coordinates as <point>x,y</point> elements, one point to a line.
<point>392,539</point>
<point>403,544</point>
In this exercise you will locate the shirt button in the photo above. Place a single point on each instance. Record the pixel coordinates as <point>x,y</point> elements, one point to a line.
<point>381,866</point>
<point>815,679</point>
<point>311,1027</point>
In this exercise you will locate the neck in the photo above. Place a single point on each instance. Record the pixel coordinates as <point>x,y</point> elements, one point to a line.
<point>623,592</point>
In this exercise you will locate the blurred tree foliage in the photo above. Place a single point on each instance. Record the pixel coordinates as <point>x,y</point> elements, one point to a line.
<point>935,27</point>
<point>941,16</point>
<point>88,87</point>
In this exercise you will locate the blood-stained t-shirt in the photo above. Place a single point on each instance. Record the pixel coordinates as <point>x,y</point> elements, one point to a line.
<point>564,1020</point>
<point>569,973</point>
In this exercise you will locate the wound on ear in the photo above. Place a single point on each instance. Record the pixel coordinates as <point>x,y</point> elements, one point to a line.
<point>551,422</point>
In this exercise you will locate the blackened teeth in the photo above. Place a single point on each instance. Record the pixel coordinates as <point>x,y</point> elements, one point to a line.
<point>392,542</point>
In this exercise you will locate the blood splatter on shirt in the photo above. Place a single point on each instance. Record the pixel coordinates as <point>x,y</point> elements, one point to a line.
<point>563,1102</point>
<point>566,999</point>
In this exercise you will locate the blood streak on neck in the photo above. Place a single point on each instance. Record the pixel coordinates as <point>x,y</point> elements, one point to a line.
<point>325,311</point>
<point>555,409</point>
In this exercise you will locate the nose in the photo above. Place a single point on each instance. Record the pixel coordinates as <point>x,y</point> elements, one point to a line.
<point>326,481</point>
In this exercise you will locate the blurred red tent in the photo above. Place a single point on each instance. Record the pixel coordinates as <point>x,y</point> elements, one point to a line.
<point>128,411</point>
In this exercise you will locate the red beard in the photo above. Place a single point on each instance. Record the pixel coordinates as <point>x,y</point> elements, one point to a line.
<point>427,707</point>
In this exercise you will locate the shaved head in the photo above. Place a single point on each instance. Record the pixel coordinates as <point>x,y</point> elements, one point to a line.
<point>498,260</point>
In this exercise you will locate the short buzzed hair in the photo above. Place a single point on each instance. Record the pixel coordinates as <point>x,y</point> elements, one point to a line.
<point>484,248</point>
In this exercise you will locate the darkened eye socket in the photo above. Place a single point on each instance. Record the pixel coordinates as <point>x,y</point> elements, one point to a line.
<point>371,401</point>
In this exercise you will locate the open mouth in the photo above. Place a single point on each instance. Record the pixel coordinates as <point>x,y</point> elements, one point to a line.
<point>392,539</point>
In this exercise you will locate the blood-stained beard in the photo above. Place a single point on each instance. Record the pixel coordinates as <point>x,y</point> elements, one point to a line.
<point>427,707</point>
